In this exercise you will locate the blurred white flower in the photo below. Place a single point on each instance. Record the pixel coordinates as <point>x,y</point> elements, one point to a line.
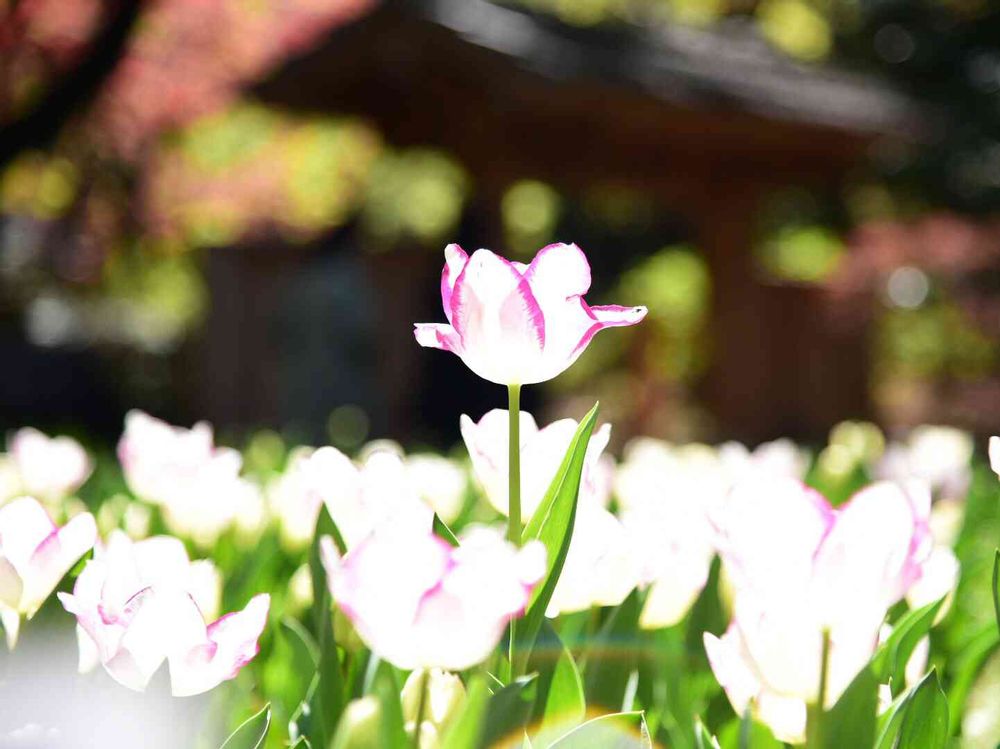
<point>781,457</point>
<point>196,484</point>
<point>359,498</point>
<point>601,567</point>
<point>440,482</point>
<point>937,455</point>
<point>47,468</point>
<point>445,696</point>
<point>665,493</point>
<point>542,451</point>
<point>995,454</point>
<point>35,555</point>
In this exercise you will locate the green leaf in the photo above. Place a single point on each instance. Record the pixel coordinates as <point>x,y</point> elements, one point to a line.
<point>612,656</point>
<point>925,722</point>
<point>996,587</point>
<point>387,689</point>
<point>508,711</point>
<point>615,731</point>
<point>702,738</point>
<point>747,733</point>
<point>890,661</point>
<point>852,721</point>
<point>327,700</point>
<point>253,731</point>
<point>560,702</point>
<point>965,667</point>
<point>552,524</point>
<point>301,743</point>
<point>464,729</point>
<point>441,530</point>
<point>890,722</point>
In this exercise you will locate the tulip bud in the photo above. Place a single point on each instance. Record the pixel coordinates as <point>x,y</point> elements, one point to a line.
<point>359,727</point>
<point>445,695</point>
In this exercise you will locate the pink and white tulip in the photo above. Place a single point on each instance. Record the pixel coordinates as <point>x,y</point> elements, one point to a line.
<point>359,498</point>
<point>801,568</point>
<point>542,450</point>
<point>34,556</point>
<point>48,468</point>
<point>419,603</point>
<point>140,604</point>
<point>517,324</point>
<point>197,485</point>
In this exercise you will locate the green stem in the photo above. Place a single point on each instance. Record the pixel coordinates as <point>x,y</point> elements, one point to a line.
<point>425,678</point>
<point>814,715</point>
<point>513,497</point>
<point>514,466</point>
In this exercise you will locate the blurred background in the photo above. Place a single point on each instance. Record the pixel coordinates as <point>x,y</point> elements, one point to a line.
<point>234,210</point>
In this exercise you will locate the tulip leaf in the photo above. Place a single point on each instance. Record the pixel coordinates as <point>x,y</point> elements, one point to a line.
<point>852,721</point>
<point>464,729</point>
<point>327,699</point>
<point>925,720</point>
<point>442,531</point>
<point>747,733</point>
<point>614,730</point>
<point>889,722</point>
<point>996,587</point>
<point>965,667</point>
<point>611,658</point>
<point>508,711</point>
<point>560,703</point>
<point>552,524</point>
<point>252,732</point>
<point>702,738</point>
<point>890,661</point>
<point>392,726</point>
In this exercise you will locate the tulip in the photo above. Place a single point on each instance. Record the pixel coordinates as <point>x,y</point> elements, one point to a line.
<point>196,484</point>
<point>665,494</point>
<point>516,324</point>
<point>48,468</point>
<point>936,455</point>
<point>34,556</point>
<point>778,458</point>
<point>995,454</point>
<point>810,579</point>
<point>542,451</point>
<point>439,694</point>
<point>359,498</point>
<point>417,602</point>
<point>601,566</point>
<point>140,604</point>
<point>440,482</point>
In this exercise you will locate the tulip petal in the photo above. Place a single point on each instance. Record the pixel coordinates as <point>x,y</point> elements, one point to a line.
<point>438,335</point>
<point>995,455</point>
<point>607,316</point>
<point>455,259</point>
<point>11,585</point>
<point>559,271</point>
<point>24,525</point>
<point>231,643</point>
<point>54,557</point>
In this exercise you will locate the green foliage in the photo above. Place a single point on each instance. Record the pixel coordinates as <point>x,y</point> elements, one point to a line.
<point>889,663</point>
<point>925,719</point>
<point>251,734</point>
<point>552,524</point>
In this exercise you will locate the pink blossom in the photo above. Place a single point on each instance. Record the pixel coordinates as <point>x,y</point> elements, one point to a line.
<point>48,468</point>
<point>517,324</point>
<point>35,555</point>
<point>139,604</point>
<point>419,603</point>
<point>800,568</point>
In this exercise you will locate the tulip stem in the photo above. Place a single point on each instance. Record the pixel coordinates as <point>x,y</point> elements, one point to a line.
<point>814,715</point>
<point>425,678</point>
<point>514,465</point>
